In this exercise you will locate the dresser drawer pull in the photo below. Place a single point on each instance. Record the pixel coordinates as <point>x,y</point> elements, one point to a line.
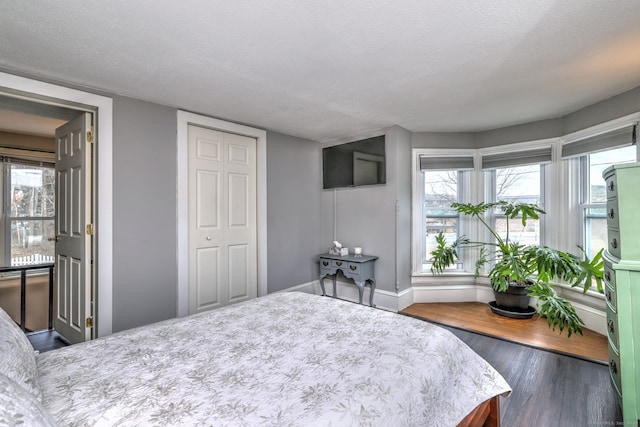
<point>614,243</point>
<point>609,298</point>
<point>338,263</point>
<point>612,213</point>
<point>610,325</point>
<point>353,267</point>
<point>607,276</point>
<point>325,263</point>
<point>611,186</point>
<point>613,366</point>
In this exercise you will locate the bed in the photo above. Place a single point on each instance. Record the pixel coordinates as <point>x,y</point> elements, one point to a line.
<point>286,359</point>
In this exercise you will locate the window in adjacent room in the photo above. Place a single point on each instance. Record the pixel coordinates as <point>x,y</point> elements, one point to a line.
<point>29,212</point>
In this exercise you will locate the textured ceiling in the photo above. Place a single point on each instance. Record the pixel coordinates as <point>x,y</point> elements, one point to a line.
<point>328,69</point>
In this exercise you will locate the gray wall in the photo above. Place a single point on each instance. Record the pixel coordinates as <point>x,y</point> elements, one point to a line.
<point>609,109</point>
<point>294,225</point>
<point>402,142</point>
<point>300,215</point>
<point>377,217</point>
<point>442,140</point>
<point>533,131</point>
<point>144,213</point>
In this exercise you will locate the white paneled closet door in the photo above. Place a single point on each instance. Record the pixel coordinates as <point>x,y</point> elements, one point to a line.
<point>222,219</point>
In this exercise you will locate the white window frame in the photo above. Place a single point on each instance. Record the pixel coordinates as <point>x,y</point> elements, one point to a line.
<point>574,173</point>
<point>467,192</point>
<point>546,170</point>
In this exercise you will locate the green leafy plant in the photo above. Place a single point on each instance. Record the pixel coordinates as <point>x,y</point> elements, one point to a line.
<point>530,266</point>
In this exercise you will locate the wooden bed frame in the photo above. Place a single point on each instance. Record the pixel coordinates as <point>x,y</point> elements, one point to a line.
<point>486,414</point>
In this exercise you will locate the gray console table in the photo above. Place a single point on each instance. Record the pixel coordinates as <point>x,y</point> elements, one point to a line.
<point>359,269</point>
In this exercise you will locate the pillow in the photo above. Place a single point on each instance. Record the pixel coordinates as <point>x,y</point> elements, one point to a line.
<point>17,357</point>
<point>17,407</point>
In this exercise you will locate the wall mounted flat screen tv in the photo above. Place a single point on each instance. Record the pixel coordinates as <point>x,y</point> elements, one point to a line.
<point>354,164</point>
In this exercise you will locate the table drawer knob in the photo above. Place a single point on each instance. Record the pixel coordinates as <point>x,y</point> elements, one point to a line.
<point>607,275</point>
<point>611,186</point>
<point>609,298</point>
<point>613,366</point>
<point>353,267</point>
<point>614,243</point>
<point>612,213</point>
<point>338,263</point>
<point>610,325</point>
<point>325,263</point>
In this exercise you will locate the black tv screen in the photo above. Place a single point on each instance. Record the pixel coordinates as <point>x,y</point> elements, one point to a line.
<point>354,164</point>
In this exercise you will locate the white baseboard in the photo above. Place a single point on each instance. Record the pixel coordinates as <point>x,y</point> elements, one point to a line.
<point>348,291</point>
<point>588,307</point>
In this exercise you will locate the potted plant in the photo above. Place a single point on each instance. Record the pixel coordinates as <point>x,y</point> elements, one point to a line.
<point>528,269</point>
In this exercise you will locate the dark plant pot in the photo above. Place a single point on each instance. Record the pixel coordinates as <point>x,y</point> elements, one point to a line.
<point>514,303</point>
<point>515,297</point>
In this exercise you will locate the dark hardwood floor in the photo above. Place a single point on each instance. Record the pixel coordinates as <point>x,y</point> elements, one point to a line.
<point>549,389</point>
<point>46,340</point>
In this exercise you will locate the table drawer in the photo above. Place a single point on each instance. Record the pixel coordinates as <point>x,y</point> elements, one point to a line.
<point>339,264</point>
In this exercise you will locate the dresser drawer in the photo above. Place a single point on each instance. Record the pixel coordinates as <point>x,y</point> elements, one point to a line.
<point>614,242</point>
<point>610,297</point>
<point>613,220</point>
<point>614,372</point>
<point>610,275</point>
<point>612,328</point>
<point>612,186</point>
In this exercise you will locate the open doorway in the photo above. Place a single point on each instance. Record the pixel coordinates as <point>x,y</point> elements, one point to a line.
<point>35,140</point>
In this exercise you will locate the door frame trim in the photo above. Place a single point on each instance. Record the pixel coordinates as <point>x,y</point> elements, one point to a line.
<point>103,199</point>
<point>184,119</point>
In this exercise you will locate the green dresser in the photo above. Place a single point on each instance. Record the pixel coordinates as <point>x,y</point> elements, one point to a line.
<point>622,285</point>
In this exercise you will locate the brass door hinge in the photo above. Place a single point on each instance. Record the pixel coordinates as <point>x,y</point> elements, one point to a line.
<point>89,136</point>
<point>89,322</point>
<point>89,229</point>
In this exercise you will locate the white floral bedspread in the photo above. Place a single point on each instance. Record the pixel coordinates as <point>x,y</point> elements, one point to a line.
<point>287,359</point>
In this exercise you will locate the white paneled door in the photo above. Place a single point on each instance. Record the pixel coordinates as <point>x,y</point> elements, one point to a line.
<point>73,230</point>
<point>222,219</point>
